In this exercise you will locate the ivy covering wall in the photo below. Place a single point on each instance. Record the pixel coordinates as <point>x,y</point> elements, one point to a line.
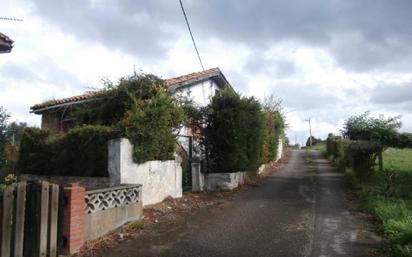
<point>139,108</point>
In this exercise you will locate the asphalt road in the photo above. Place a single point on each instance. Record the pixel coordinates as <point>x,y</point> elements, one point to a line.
<point>302,210</point>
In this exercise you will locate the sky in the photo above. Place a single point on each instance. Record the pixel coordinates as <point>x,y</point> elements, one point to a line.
<point>327,60</point>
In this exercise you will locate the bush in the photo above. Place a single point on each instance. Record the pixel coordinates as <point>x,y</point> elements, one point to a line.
<point>402,140</point>
<point>81,152</point>
<point>144,111</point>
<point>151,125</point>
<point>233,133</point>
<point>273,130</point>
<point>35,154</point>
<point>362,157</point>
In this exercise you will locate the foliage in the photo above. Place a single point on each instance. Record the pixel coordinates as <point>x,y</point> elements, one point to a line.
<point>81,152</point>
<point>364,127</point>
<point>233,132</point>
<point>315,141</point>
<point>10,179</point>
<point>273,132</point>
<point>14,132</point>
<point>4,116</point>
<point>362,157</point>
<point>35,155</point>
<point>143,110</point>
<point>151,123</point>
<point>274,126</point>
<point>402,140</point>
<point>392,208</point>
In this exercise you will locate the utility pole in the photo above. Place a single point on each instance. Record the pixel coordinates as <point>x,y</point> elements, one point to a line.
<point>310,132</point>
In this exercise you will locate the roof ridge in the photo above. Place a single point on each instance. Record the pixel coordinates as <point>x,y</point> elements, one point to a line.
<point>91,94</point>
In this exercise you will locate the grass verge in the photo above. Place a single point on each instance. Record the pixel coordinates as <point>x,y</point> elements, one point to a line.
<point>389,198</point>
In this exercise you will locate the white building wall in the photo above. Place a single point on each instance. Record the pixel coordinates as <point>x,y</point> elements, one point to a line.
<point>201,93</point>
<point>159,179</point>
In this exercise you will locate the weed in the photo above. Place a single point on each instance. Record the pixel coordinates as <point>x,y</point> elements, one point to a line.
<point>137,225</point>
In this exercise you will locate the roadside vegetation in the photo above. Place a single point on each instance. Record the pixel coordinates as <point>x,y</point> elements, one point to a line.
<point>380,173</point>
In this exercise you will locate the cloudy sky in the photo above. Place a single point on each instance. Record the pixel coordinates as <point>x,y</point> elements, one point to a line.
<point>327,59</point>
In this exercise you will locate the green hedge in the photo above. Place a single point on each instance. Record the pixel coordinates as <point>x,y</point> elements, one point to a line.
<point>80,152</point>
<point>233,135</point>
<point>273,131</point>
<point>402,140</point>
<point>361,156</point>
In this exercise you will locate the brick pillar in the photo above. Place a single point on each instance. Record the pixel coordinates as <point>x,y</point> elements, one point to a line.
<point>73,218</point>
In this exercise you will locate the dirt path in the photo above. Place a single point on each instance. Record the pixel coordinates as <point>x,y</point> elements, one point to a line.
<point>302,210</point>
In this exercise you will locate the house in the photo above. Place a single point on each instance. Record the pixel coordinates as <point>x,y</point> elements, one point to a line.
<point>6,44</point>
<point>199,86</point>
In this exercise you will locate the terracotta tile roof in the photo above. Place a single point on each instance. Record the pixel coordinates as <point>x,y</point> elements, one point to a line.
<point>170,83</point>
<point>195,76</point>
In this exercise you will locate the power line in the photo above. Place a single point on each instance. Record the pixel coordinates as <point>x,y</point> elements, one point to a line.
<point>191,34</point>
<point>10,19</point>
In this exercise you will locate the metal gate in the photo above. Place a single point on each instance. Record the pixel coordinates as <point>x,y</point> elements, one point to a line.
<point>29,219</point>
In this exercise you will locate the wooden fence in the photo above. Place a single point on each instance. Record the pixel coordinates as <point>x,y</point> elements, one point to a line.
<point>29,218</point>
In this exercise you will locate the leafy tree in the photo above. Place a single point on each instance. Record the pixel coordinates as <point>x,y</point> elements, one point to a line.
<point>364,127</point>
<point>380,132</point>
<point>14,132</point>
<point>315,141</point>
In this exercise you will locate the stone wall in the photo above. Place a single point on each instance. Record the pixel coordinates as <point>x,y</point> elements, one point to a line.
<point>160,179</point>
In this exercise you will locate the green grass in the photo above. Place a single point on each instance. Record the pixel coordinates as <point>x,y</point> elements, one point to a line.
<point>399,160</point>
<point>392,207</point>
<point>320,147</point>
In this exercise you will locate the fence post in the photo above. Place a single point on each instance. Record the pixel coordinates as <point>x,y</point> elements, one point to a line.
<point>6,221</point>
<point>73,218</point>
<point>19,224</point>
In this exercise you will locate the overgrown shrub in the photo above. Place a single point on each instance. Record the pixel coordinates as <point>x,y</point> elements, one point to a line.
<point>233,132</point>
<point>36,152</point>
<point>402,140</point>
<point>337,148</point>
<point>151,124</point>
<point>273,130</point>
<point>143,110</point>
<point>362,157</point>
<point>81,152</point>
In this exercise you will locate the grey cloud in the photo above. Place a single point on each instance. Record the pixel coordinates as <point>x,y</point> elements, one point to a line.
<point>392,94</point>
<point>361,35</point>
<point>135,26</point>
<point>43,70</point>
<point>278,67</point>
<point>304,97</point>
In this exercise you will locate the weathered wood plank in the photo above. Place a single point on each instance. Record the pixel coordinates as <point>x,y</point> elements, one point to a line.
<point>6,221</point>
<point>44,212</point>
<point>19,219</point>
<point>31,220</point>
<point>54,209</point>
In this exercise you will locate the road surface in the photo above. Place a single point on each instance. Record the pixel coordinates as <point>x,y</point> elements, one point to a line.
<point>301,210</point>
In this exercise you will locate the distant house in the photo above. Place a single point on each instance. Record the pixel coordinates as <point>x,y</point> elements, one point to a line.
<point>6,44</point>
<point>199,86</point>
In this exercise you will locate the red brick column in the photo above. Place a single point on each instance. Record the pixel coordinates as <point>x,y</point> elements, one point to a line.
<point>73,218</point>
